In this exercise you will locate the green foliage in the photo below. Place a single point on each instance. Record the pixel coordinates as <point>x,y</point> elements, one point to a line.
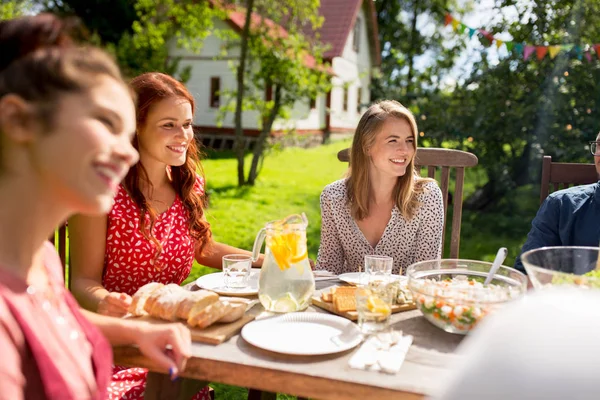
<point>14,8</point>
<point>108,19</point>
<point>516,111</point>
<point>403,42</point>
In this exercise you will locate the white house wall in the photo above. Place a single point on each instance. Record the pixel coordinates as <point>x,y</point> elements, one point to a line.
<point>353,71</point>
<point>210,63</point>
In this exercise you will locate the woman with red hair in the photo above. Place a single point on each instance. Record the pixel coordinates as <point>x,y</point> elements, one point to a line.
<point>156,227</point>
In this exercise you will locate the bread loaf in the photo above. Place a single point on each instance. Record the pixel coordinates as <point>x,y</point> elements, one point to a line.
<point>164,301</point>
<point>205,316</point>
<point>139,298</point>
<point>199,299</point>
<point>236,311</point>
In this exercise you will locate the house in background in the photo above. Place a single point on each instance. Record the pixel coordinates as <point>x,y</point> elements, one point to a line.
<point>350,30</point>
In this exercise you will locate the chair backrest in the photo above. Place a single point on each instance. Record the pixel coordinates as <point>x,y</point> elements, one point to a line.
<point>60,242</point>
<point>556,176</point>
<point>432,158</point>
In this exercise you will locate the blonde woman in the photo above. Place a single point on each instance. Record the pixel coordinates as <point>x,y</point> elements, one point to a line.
<point>382,207</point>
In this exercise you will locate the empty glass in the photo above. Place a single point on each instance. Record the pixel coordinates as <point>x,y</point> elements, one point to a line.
<point>236,270</point>
<point>377,268</point>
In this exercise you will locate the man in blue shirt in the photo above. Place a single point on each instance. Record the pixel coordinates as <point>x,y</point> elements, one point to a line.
<point>569,217</point>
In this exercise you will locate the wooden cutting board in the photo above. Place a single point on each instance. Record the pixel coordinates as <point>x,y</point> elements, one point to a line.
<point>353,315</point>
<point>217,333</point>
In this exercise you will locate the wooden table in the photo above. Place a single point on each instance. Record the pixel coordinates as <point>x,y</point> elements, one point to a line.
<point>236,362</point>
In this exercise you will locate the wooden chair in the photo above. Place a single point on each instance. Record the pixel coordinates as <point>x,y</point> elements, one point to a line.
<point>564,175</point>
<point>60,242</point>
<point>432,158</point>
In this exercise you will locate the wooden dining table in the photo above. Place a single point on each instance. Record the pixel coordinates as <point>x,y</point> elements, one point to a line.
<point>236,362</point>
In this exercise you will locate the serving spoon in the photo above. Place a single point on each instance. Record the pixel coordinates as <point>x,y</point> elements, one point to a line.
<point>500,257</point>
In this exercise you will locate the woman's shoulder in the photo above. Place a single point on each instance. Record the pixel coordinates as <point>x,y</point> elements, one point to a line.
<point>123,204</point>
<point>199,184</point>
<point>428,191</point>
<point>427,187</point>
<point>336,190</point>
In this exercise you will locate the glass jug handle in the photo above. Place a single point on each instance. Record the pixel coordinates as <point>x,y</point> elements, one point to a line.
<point>258,242</point>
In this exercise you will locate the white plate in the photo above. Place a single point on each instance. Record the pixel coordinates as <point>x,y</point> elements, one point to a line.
<point>353,278</point>
<point>302,333</point>
<point>216,283</point>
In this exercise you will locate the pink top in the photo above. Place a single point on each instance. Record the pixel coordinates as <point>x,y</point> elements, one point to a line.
<point>129,261</point>
<point>49,349</point>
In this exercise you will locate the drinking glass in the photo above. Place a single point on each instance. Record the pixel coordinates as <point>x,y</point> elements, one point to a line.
<point>236,270</point>
<point>377,268</point>
<point>374,307</point>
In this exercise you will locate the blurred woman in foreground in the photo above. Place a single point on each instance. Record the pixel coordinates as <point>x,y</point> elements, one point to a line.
<point>66,123</point>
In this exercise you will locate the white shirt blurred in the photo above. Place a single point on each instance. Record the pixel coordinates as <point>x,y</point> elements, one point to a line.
<point>546,346</point>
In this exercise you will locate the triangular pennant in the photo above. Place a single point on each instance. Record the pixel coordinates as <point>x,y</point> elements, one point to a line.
<point>541,51</point>
<point>472,32</point>
<point>509,45</point>
<point>567,47</point>
<point>528,51</point>
<point>518,48</point>
<point>588,56</point>
<point>499,43</point>
<point>553,50</point>
<point>448,19</point>
<point>579,52</point>
<point>455,24</point>
<point>462,28</point>
<point>597,50</point>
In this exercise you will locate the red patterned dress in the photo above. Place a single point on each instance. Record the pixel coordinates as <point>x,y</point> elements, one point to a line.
<point>130,263</point>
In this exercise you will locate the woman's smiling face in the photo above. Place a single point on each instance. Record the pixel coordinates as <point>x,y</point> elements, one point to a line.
<point>88,151</point>
<point>393,149</point>
<point>167,132</point>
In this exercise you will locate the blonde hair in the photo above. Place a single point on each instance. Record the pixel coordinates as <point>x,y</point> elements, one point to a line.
<point>407,187</point>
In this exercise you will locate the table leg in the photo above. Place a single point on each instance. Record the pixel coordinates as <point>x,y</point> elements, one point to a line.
<point>254,394</point>
<point>160,387</point>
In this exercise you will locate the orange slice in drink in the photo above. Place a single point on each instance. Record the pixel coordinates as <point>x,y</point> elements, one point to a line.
<point>376,305</point>
<point>287,248</point>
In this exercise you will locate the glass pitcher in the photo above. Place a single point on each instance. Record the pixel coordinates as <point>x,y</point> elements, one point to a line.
<point>286,282</point>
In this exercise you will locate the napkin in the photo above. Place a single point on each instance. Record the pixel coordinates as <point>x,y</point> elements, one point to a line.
<point>384,352</point>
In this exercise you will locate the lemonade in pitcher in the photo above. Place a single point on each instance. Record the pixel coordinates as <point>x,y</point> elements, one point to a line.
<point>286,282</point>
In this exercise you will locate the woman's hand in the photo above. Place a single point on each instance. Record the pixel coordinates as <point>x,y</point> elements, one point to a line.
<point>167,344</point>
<point>114,304</point>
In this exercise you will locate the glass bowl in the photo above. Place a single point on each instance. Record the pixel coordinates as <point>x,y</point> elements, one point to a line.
<point>451,295</point>
<point>567,265</point>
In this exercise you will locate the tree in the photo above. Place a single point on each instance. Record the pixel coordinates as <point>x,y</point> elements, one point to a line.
<point>284,62</point>
<point>403,43</point>
<point>511,113</point>
<point>14,8</point>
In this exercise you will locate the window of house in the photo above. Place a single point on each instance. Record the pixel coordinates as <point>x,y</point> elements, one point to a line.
<point>312,102</point>
<point>345,104</point>
<point>215,89</point>
<point>360,99</point>
<point>356,35</point>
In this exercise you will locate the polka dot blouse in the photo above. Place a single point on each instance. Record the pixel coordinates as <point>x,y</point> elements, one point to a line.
<point>343,245</point>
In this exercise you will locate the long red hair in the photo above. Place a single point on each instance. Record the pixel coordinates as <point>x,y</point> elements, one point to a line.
<point>152,88</point>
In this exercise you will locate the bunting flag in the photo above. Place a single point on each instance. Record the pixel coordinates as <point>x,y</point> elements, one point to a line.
<point>522,49</point>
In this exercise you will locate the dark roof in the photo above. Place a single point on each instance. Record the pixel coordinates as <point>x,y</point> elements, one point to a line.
<point>340,16</point>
